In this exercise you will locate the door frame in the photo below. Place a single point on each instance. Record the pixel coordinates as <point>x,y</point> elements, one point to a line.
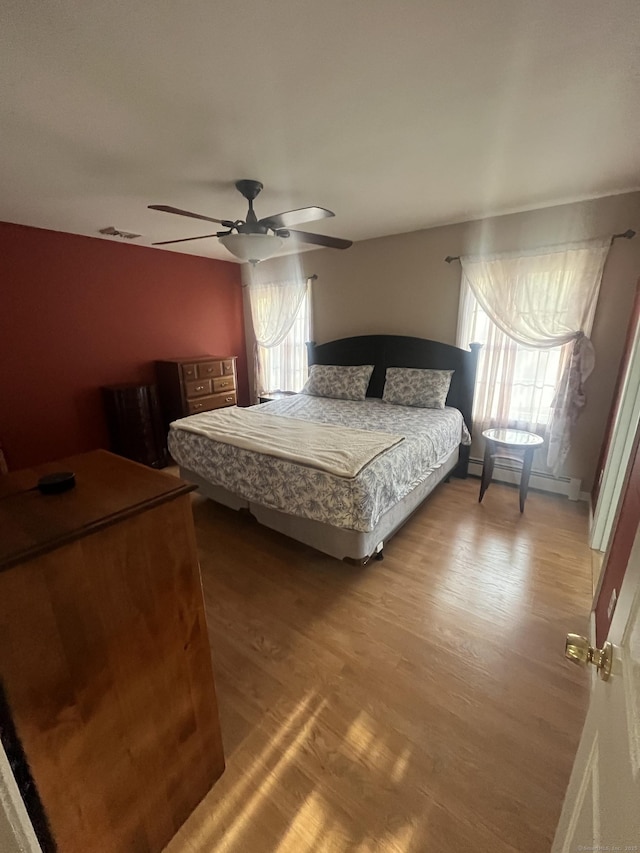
<point>16,832</point>
<point>632,331</point>
<point>619,452</point>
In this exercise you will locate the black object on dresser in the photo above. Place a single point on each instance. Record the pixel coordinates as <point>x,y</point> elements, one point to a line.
<point>135,423</point>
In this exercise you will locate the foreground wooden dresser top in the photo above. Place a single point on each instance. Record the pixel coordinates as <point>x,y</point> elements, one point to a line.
<point>104,653</point>
<point>108,489</point>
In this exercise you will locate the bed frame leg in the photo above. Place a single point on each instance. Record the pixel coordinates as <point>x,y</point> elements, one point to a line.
<point>379,552</point>
<point>356,561</point>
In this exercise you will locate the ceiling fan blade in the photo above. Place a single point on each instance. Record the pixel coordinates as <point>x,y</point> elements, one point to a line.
<point>295,217</point>
<point>165,208</point>
<point>186,239</point>
<point>321,240</point>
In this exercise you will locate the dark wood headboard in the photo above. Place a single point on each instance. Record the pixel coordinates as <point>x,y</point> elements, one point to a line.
<point>400,351</point>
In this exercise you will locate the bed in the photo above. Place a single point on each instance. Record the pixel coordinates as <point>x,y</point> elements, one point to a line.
<point>347,517</point>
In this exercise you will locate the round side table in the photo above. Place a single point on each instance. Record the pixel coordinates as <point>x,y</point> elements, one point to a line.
<point>513,445</point>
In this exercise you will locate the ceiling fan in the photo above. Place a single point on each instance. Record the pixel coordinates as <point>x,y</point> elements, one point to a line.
<point>254,239</point>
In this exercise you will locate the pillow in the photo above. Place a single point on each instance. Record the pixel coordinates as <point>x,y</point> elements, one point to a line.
<point>410,386</point>
<point>341,383</point>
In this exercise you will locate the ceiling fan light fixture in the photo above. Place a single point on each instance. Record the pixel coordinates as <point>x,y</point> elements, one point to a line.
<point>252,247</point>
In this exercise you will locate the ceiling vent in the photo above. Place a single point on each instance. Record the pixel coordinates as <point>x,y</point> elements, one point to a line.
<point>112,231</point>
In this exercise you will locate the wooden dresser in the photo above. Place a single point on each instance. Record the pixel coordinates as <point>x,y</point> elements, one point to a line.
<point>104,655</point>
<point>197,384</point>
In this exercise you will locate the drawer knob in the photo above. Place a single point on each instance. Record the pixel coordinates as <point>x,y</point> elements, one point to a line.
<point>228,399</point>
<point>209,369</point>
<point>198,406</point>
<point>199,387</point>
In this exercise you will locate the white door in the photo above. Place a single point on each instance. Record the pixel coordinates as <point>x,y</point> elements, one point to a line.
<point>602,805</point>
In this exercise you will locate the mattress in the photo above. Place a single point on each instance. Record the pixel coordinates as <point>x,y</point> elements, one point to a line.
<point>354,503</point>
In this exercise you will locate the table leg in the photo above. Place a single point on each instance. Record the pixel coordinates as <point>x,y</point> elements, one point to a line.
<point>526,472</point>
<point>487,468</point>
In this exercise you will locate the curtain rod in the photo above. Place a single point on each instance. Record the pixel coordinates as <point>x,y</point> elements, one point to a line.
<point>627,235</point>
<point>313,277</point>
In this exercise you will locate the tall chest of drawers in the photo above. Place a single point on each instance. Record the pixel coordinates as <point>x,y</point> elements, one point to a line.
<point>188,386</point>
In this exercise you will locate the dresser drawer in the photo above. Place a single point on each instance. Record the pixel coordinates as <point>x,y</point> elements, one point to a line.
<point>198,387</point>
<point>214,401</point>
<point>210,369</point>
<point>218,401</point>
<point>189,371</point>
<point>224,383</point>
<point>227,367</point>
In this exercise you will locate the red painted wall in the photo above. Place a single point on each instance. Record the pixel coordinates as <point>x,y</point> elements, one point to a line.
<point>77,313</point>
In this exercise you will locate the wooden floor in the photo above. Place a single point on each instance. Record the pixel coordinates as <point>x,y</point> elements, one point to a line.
<point>417,704</point>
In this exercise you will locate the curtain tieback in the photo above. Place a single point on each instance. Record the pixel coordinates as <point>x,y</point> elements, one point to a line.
<point>584,355</point>
<point>570,391</point>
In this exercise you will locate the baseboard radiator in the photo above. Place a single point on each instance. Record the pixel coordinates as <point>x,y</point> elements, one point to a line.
<point>503,472</point>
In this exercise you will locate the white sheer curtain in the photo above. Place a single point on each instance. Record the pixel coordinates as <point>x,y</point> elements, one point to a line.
<point>515,385</point>
<point>540,306</point>
<point>285,367</point>
<point>280,313</point>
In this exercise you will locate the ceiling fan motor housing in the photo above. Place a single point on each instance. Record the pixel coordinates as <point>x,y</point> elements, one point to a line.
<point>249,227</point>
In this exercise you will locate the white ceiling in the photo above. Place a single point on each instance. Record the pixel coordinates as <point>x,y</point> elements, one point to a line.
<point>397,114</point>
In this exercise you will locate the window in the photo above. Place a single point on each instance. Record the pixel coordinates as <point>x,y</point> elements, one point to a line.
<point>284,367</point>
<point>537,354</point>
<point>515,384</point>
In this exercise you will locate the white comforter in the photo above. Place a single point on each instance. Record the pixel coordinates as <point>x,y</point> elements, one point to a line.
<point>339,450</point>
